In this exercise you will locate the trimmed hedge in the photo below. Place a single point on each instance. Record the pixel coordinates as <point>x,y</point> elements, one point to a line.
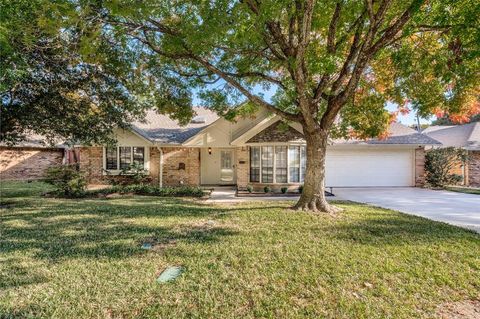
<point>149,190</point>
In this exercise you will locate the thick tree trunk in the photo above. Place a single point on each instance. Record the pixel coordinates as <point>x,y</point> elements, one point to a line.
<point>313,194</point>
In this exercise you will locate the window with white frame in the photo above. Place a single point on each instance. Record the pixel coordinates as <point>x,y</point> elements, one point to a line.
<point>255,164</point>
<point>122,157</point>
<point>267,164</point>
<point>277,164</point>
<point>294,163</point>
<point>111,158</point>
<point>281,164</point>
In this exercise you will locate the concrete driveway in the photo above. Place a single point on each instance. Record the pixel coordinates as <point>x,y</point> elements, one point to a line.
<point>450,207</point>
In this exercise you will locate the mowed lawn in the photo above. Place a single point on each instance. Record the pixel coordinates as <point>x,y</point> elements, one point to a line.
<point>83,259</point>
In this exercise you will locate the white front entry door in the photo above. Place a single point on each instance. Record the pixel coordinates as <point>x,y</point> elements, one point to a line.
<point>226,167</point>
<point>217,166</point>
<point>369,167</point>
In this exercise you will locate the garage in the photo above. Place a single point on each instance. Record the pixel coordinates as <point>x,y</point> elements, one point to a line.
<point>369,167</point>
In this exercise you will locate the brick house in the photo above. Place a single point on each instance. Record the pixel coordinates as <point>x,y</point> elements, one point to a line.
<point>258,150</point>
<point>465,136</point>
<point>30,159</point>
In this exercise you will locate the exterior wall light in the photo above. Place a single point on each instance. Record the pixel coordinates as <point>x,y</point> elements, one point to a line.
<point>209,151</point>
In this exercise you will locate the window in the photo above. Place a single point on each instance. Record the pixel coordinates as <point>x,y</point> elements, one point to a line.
<point>303,163</point>
<point>267,164</point>
<point>280,164</point>
<point>125,157</point>
<point>255,164</point>
<point>118,158</point>
<point>111,158</point>
<point>139,156</point>
<point>294,163</point>
<point>277,164</point>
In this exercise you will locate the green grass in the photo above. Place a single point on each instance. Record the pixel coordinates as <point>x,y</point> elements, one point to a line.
<point>62,258</point>
<point>466,190</point>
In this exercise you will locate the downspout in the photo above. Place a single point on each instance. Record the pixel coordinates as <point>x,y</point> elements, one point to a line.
<point>160,167</point>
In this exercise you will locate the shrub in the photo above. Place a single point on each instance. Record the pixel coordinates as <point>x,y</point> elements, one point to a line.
<point>284,190</point>
<point>151,190</point>
<point>134,174</point>
<point>67,179</point>
<point>300,189</point>
<point>267,189</point>
<point>439,164</point>
<point>249,188</point>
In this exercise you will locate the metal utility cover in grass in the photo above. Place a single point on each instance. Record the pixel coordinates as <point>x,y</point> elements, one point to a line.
<point>147,246</point>
<point>170,273</point>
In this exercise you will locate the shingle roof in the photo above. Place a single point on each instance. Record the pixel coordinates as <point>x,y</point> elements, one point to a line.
<point>466,136</point>
<point>398,134</point>
<point>37,141</point>
<point>160,128</point>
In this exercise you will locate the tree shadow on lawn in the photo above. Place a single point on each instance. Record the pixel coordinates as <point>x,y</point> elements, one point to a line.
<point>380,226</point>
<point>107,229</point>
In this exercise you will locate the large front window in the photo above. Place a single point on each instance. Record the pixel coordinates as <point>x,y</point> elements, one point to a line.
<point>122,157</point>
<point>277,164</point>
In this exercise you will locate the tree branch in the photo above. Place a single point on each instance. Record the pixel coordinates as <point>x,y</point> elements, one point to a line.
<point>333,28</point>
<point>394,28</point>
<point>252,97</point>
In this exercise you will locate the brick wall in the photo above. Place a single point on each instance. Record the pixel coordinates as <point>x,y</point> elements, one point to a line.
<point>91,164</point>
<point>243,169</point>
<point>174,172</point>
<point>18,163</point>
<point>474,168</point>
<point>420,167</point>
<point>154,170</point>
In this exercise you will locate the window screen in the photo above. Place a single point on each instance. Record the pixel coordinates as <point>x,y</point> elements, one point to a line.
<point>280,164</point>
<point>294,163</point>
<point>267,164</point>
<point>111,158</point>
<point>125,157</point>
<point>255,164</point>
<point>139,156</point>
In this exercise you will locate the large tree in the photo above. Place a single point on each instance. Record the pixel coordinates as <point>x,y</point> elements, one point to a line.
<point>333,64</point>
<point>49,87</point>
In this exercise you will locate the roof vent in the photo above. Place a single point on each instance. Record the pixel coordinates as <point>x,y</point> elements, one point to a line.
<point>198,120</point>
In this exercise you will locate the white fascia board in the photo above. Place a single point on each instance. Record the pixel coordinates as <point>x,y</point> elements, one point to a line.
<point>242,139</point>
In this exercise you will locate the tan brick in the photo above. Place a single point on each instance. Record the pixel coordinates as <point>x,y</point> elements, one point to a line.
<point>474,168</point>
<point>22,163</point>
<point>181,166</point>
<point>243,167</point>
<point>420,167</point>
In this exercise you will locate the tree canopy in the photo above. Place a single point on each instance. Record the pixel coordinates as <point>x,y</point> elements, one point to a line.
<point>418,54</point>
<point>333,64</point>
<point>49,87</point>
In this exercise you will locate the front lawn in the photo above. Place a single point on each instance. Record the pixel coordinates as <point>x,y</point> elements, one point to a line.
<point>62,258</point>
<point>466,190</point>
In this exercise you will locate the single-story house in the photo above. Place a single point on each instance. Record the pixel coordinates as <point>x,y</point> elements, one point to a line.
<point>30,159</point>
<point>465,136</point>
<point>257,150</point>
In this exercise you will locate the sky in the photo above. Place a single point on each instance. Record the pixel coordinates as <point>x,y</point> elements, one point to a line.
<point>408,119</point>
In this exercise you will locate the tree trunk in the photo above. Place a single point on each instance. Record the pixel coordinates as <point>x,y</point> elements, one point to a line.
<point>313,194</point>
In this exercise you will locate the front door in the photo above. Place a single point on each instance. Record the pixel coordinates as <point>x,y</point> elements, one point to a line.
<point>226,167</point>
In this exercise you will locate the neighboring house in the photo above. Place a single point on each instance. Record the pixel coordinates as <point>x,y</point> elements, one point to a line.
<point>30,159</point>
<point>465,136</point>
<point>258,150</point>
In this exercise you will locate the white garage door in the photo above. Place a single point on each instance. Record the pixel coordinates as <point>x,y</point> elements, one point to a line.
<point>358,168</point>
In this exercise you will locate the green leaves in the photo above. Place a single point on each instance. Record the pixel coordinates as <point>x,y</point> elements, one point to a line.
<point>157,54</point>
